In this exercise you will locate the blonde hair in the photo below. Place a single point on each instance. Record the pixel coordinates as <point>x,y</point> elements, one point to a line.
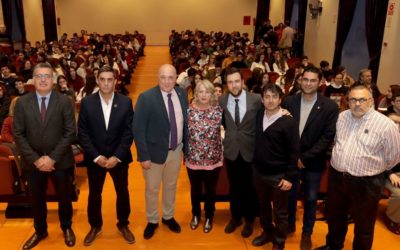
<point>209,88</point>
<point>12,106</point>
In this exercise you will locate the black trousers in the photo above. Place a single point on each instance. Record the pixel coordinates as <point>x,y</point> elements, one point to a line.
<point>197,179</point>
<point>37,181</point>
<point>243,197</point>
<point>268,191</point>
<point>357,196</point>
<point>97,176</point>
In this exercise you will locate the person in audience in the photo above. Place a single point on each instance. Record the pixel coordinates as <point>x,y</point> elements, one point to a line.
<point>255,78</point>
<point>8,80</point>
<point>203,59</point>
<point>74,80</point>
<point>90,87</point>
<point>4,103</point>
<point>288,35</point>
<point>46,114</point>
<point>260,63</point>
<point>347,79</point>
<point>204,158</point>
<point>26,70</point>
<point>365,77</point>
<point>336,91</point>
<point>296,88</point>
<point>64,88</point>
<point>160,131</point>
<point>240,109</point>
<point>239,63</point>
<point>316,115</point>
<point>275,165</point>
<point>20,86</point>
<point>280,66</point>
<point>6,129</point>
<point>286,81</point>
<point>105,133</point>
<point>357,176</point>
<point>392,215</point>
<point>219,89</point>
<point>386,101</point>
<point>395,107</point>
<point>230,59</point>
<point>262,81</point>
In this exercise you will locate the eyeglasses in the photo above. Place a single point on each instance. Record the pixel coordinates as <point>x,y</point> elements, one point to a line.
<point>42,76</point>
<point>306,80</point>
<point>360,100</point>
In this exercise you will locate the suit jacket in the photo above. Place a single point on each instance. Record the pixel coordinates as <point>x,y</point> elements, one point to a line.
<point>53,137</point>
<point>151,127</point>
<point>95,139</point>
<point>240,139</point>
<point>319,130</point>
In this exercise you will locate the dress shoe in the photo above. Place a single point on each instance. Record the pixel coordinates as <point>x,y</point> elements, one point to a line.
<point>305,243</point>
<point>207,225</point>
<point>69,237</point>
<point>172,225</point>
<point>194,223</point>
<point>391,225</point>
<point>262,239</point>
<point>149,230</point>
<point>323,248</point>
<point>91,236</point>
<point>232,225</point>
<point>127,234</point>
<point>34,240</point>
<point>247,229</point>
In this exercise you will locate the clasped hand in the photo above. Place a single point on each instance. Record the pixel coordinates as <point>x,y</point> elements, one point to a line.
<point>107,162</point>
<point>44,164</point>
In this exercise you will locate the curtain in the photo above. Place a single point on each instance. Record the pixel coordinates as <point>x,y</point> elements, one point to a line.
<point>345,19</point>
<point>49,18</point>
<point>6,5</point>
<point>20,15</point>
<point>262,14</point>
<point>288,9</point>
<point>375,19</point>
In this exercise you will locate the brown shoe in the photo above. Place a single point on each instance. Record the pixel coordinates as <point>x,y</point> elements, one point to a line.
<point>69,237</point>
<point>305,243</point>
<point>34,240</point>
<point>127,234</point>
<point>391,225</point>
<point>91,236</point>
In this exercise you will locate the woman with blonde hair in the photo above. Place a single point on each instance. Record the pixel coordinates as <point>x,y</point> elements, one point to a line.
<point>204,158</point>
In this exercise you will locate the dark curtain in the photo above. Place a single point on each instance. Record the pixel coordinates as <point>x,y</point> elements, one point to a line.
<point>301,26</point>
<point>20,15</point>
<point>6,4</point>
<point>49,18</point>
<point>288,9</point>
<point>375,19</point>
<point>345,19</point>
<point>262,14</point>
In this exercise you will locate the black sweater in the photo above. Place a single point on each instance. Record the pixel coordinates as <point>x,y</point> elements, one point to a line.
<point>278,147</point>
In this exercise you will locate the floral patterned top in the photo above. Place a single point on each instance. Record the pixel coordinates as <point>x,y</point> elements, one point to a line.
<point>204,132</point>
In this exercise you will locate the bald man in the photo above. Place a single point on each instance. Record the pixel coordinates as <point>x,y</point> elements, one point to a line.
<point>159,131</point>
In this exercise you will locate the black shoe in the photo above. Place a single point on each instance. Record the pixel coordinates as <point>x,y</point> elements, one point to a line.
<point>172,225</point>
<point>194,223</point>
<point>323,248</point>
<point>291,228</point>
<point>34,240</point>
<point>91,236</point>
<point>262,239</point>
<point>127,234</point>
<point>247,229</point>
<point>207,225</point>
<point>232,225</point>
<point>305,243</point>
<point>69,237</point>
<point>276,247</point>
<point>391,225</point>
<point>149,230</point>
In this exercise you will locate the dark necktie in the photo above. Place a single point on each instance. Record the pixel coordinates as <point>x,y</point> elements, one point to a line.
<point>43,109</point>
<point>237,114</point>
<point>172,123</point>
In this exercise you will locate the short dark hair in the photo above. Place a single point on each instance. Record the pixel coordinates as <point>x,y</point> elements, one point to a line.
<point>107,68</point>
<point>272,87</point>
<point>231,71</point>
<point>313,69</point>
<point>323,64</point>
<point>395,93</point>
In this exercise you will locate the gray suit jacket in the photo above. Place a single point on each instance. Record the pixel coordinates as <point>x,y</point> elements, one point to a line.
<point>53,137</point>
<point>240,139</point>
<point>151,125</point>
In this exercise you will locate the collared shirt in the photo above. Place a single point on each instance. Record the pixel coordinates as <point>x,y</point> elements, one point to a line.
<point>242,104</point>
<point>305,110</point>
<point>178,112</point>
<point>366,146</point>
<point>269,121</point>
<point>106,107</point>
<point>39,99</point>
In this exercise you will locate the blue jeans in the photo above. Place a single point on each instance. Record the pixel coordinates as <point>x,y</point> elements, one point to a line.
<point>310,181</point>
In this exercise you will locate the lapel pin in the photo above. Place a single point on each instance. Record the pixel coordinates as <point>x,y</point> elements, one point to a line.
<point>318,107</point>
<point>115,105</point>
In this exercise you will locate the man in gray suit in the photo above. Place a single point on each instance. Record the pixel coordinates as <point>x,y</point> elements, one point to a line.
<point>159,133</point>
<point>44,128</point>
<point>240,110</point>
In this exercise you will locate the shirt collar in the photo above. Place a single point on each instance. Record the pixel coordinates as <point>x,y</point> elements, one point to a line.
<point>39,97</point>
<point>110,101</point>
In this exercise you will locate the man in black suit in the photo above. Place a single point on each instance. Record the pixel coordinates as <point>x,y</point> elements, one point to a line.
<point>44,128</point>
<point>317,116</point>
<point>105,133</point>
<point>160,128</point>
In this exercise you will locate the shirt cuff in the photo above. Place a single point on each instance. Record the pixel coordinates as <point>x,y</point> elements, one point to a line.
<point>96,159</point>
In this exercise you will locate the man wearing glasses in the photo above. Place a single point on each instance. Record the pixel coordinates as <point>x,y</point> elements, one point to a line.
<point>317,116</point>
<point>366,145</point>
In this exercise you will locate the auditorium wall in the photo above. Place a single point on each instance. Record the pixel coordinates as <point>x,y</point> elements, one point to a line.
<point>276,11</point>
<point>34,21</point>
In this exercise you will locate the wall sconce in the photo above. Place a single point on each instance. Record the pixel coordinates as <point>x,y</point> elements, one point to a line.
<point>315,9</point>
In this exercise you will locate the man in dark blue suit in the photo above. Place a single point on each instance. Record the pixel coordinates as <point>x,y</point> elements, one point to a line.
<point>105,133</point>
<point>317,116</point>
<point>160,131</point>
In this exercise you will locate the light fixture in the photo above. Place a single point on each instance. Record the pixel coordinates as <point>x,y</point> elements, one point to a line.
<point>315,9</point>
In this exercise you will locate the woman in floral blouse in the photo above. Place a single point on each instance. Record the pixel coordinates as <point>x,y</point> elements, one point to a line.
<point>204,159</point>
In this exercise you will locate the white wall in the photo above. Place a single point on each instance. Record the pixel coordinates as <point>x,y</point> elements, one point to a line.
<point>155,18</point>
<point>277,11</point>
<point>34,26</point>
<point>389,64</point>
<point>320,33</point>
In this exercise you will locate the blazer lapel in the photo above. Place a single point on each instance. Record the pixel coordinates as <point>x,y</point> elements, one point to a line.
<point>316,109</point>
<point>53,101</point>
<point>35,108</point>
<point>114,109</point>
<point>98,109</point>
<point>161,103</point>
<point>224,102</point>
<point>297,106</point>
